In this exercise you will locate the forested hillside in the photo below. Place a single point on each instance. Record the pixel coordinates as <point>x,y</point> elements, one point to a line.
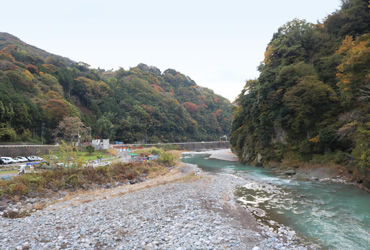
<point>311,102</point>
<point>48,97</point>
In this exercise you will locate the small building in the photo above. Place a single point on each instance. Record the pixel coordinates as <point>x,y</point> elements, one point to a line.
<point>100,144</point>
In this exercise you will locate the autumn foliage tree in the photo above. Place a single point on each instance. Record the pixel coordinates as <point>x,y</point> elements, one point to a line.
<point>190,107</point>
<point>55,110</point>
<point>354,71</point>
<point>69,129</point>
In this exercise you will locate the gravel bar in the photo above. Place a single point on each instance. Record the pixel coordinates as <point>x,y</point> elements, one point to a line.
<point>195,212</point>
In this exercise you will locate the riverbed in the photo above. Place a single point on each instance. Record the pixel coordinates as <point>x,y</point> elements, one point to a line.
<point>331,214</point>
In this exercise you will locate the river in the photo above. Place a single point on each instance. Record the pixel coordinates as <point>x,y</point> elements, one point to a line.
<point>332,215</point>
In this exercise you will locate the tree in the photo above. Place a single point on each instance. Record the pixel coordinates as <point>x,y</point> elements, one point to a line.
<point>104,127</point>
<point>70,129</point>
<point>354,72</point>
<point>55,110</point>
<point>7,133</point>
<point>310,100</point>
<point>190,107</point>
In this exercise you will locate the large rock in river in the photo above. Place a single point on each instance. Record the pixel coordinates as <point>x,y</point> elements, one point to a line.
<point>290,172</point>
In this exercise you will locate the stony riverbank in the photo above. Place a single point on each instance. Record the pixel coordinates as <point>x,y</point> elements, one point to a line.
<point>194,211</point>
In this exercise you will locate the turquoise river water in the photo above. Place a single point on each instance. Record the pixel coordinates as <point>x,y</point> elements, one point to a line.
<point>333,215</point>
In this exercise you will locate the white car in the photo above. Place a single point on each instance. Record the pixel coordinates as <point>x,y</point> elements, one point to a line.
<point>31,158</point>
<point>34,158</point>
<point>7,160</point>
<point>21,159</point>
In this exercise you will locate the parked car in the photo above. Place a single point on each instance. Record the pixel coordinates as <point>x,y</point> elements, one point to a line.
<point>34,158</point>
<point>15,160</point>
<point>39,158</point>
<point>7,160</point>
<point>30,158</point>
<point>21,159</point>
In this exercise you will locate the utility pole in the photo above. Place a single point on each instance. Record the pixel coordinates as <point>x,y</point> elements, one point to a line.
<point>42,132</point>
<point>78,138</point>
<point>90,133</point>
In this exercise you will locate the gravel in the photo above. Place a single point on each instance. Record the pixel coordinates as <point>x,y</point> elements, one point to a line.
<point>195,213</point>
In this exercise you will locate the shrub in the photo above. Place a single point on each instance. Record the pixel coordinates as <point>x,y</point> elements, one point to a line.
<point>155,151</point>
<point>167,158</point>
<point>73,180</point>
<point>103,171</point>
<point>17,189</point>
<point>57,184</point>
<point>90,149</point>
<point>34,182</point>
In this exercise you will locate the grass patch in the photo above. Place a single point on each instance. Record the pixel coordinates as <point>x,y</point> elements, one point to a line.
<point>75,178</point>
<point>5,172</point>
<point>192,177</point>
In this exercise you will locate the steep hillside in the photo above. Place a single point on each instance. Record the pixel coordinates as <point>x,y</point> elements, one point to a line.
<point>311,102</point>
<point>44,96</point>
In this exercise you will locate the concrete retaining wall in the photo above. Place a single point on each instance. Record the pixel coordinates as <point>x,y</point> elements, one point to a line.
<point>24,150</point>
<point>194,146</point>
<point>27,150</point>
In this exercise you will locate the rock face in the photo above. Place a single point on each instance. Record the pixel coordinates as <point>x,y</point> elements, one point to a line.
<point>259,158</point>
<point>366,181</point>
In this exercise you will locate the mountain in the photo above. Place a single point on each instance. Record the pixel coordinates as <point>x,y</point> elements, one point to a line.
<point>311,101</point>
<point>26,53</point>
<point>49,97</point>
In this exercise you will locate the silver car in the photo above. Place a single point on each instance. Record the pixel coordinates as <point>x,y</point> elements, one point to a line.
<point>21,159</point>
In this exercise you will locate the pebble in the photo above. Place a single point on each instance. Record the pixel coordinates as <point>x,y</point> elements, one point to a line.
<point>179,215</point>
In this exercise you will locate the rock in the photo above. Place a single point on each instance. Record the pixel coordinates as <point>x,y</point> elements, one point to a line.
<point>133,181</point>
<point>62,194</point>
<point>259,158</point>
<point>290,172</point>
<point>140,179</point>
<point>171,216</point>
<point>25,246</point>
<point>33,200</point>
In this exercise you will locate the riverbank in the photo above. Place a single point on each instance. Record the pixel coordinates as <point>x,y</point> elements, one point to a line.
<point>307,171</point>
<point>184,209</point>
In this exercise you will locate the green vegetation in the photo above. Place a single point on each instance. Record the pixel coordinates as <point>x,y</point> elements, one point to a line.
<point>164,156</point>
<point>311,102</point>
<point>51,98</point>
<point>66,152</point>
<point>76,177</point>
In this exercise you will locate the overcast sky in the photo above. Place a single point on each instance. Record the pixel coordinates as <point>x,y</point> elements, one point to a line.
<point>218,44</point>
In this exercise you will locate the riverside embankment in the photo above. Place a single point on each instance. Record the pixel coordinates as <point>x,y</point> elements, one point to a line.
<point>187,209</point>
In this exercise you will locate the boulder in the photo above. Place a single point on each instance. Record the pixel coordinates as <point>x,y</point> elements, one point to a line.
<point>259,158</point>
<point>290,172</point>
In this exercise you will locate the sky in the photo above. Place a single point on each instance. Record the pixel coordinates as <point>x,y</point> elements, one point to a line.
<point>218,44</point>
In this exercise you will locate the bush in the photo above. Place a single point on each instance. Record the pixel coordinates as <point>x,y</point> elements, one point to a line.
<point>34,182</point>
<point>57,184</point>
<point>155,151</point>
<point>338,158</point>
<point>167,158</point>
<point>90,149</point>
<point>17,189</point>
<point>73,180</point>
